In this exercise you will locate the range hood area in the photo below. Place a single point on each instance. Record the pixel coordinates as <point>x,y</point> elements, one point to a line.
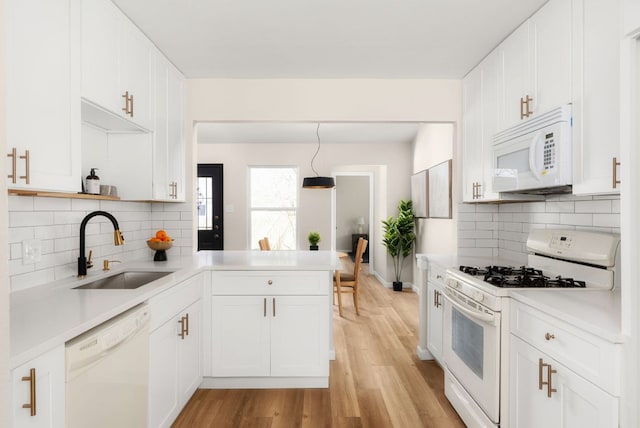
<point>107,121</point>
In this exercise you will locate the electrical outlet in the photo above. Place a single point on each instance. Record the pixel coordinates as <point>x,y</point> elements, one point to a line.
<point>31,251</point>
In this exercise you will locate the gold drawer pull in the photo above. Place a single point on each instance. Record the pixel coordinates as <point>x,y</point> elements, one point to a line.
<point>615,166</point>
<point>549,336</point>
<point>32,391</point>
<point>270,282</point>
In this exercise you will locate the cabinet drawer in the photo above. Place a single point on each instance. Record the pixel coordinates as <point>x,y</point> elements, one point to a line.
<point>234,283</point>
<point>589,356</point>
<point>437,273</point>
<point>174,300</point>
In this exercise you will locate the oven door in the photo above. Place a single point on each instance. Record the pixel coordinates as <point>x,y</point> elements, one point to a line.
<point>472,349</point>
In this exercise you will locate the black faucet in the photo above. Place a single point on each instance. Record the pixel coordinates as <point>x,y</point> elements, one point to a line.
<point>117,238</point>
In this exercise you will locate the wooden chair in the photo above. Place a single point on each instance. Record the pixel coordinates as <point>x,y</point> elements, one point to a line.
<point>347,282</point>
<point>264,244</point>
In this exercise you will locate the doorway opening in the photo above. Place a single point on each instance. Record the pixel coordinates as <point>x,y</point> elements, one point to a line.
<point>210,207</point>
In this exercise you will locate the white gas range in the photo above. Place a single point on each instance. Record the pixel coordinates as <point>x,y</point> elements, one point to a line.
<point>476,324</point>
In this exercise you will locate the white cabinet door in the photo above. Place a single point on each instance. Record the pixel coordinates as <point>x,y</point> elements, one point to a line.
<point>574,402</point>
<point>43,88</point>
<point>49,371</point>
<point>631,16</point>
<point>514,75</point>
<point>435,312</point>
<point>163,375</point>
<point>550,50</point>
<point>596,99</point>
<point>101,26</point>
<point>472,134</point>
<point>190,353</point>
<point>240,336</point>
<point>136,74</point>
<point>168,149</point>
<point>299,335</point>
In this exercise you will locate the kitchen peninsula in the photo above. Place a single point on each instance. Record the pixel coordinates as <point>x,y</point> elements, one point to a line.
<point>253,320</point>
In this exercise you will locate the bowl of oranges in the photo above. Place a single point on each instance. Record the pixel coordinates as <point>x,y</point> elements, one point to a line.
<point>160,243</point>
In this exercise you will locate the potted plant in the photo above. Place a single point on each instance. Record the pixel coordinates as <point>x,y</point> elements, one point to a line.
<point>313,238</point>
<point>399,238</point>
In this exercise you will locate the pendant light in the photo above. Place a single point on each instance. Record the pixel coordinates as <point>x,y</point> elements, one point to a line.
<point>317,182</point>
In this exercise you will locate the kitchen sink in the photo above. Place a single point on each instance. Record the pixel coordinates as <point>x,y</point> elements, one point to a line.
<point>123,281</point>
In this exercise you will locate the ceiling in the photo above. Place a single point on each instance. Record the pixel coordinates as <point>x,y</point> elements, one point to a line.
<point>327,38</point>
<point>305,132</point>
<point>324,39</point>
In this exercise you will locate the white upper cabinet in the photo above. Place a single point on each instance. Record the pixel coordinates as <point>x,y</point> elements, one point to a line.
<point>631,16</point>
<point>596,97</point>
<point>168,152</point>
<point>535,65</point>
<point>117,67</point>
<point>42,112</point>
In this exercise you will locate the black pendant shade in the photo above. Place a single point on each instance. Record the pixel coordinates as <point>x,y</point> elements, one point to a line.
<point>318,183</point>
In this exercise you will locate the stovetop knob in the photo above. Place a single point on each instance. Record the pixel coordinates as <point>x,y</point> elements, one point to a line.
<point>478,296</point>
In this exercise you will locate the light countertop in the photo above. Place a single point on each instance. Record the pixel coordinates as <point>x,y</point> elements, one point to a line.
<point>595,311</point>
<point>47,316</point>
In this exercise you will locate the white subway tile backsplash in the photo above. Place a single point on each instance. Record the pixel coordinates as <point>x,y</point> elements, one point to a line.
<point>560,207</point>
<point>56,223</point>
<point>577,219</point>
<point>507,232</point>
<point>475,252</point>
<point>606,220</point>
<point>599,206</point>
<point>467,208</point>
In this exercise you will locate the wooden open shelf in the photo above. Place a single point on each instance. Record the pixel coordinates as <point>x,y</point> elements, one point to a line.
<point>22,192</point>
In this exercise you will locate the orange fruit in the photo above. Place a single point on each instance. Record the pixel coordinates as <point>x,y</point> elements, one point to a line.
<point>161,235</point>
<point>154,240</point>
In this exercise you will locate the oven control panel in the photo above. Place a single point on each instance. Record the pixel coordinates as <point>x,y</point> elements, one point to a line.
<point>561,241</point>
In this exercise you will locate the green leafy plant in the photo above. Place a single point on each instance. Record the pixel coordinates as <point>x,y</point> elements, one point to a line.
<point>399,236</point>
<point>313,238</point>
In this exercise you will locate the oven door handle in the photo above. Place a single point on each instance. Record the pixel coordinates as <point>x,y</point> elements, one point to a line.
<point>481,316</point>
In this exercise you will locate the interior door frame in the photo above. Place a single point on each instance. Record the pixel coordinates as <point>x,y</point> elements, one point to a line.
<point>370,230</point>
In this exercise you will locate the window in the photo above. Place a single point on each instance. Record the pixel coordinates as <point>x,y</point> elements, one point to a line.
<point>273,205</point>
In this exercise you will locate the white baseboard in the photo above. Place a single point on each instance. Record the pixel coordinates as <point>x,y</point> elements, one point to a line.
<point>264,382</point>
<point>423,353</point>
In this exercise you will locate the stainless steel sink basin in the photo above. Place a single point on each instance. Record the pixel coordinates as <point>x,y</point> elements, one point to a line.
<point>123,281</point>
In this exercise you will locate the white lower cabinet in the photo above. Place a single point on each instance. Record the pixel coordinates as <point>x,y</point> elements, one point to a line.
<point>560,375</point>
<point>38,392</point>
<point>175,345</point>
<point>435,316</point>
<point>259,332</point>
<point>545,393</point>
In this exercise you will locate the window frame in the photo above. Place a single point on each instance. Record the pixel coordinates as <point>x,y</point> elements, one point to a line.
<point>251,245</point>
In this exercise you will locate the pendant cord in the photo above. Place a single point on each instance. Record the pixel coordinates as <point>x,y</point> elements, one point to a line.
<point>317,151</point>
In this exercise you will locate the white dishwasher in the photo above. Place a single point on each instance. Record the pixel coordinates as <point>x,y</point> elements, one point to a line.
<point>107,373</point>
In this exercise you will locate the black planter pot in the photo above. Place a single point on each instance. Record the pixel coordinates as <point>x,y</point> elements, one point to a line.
<point>397,285</point>
<point>313,247</point>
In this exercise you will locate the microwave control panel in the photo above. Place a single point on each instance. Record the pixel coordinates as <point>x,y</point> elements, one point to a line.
<point>549,151</point>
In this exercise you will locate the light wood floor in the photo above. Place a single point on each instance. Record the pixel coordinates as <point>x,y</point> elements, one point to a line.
<point>376,379</point>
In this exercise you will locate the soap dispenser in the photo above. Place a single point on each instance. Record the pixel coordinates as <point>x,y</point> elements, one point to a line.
<point>93,183</point>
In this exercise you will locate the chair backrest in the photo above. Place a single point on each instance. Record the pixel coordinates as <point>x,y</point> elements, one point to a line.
<point>360,249</point>
<point>264,244</point>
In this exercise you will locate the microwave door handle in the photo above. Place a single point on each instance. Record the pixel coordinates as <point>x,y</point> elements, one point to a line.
<point>533,167</point>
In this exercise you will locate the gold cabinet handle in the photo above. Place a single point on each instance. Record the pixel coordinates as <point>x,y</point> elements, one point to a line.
<point>27,166</point>
<point>615,166</point>
<point>125,109</point>
<point>274,306</point>
<point>548,382</point>
<point>183,327</point>
<point>186,318</point>
<point>550,389</point>
<point>479,186</point>
<point>32,391</point>
<point>131,106</point>
<point>13,155</point>
<point>525,108</point>
<point>270,282</point>
<point>549,336</point>
<point>264,307</point>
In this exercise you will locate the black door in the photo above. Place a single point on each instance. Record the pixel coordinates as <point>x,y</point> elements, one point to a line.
<point>210,220</point>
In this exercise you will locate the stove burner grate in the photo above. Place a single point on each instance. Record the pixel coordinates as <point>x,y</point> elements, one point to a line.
<point>523,277</point>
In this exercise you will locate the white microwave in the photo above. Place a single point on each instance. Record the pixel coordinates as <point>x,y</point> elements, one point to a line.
<point>535,156</point>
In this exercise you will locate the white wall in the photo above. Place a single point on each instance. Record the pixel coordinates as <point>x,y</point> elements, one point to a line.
<point>4,278</point>
<point>412,100</point>
<point>352,201</point>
